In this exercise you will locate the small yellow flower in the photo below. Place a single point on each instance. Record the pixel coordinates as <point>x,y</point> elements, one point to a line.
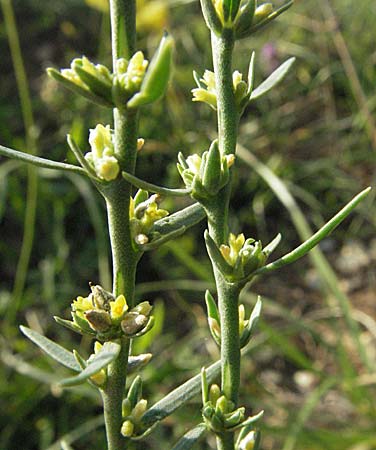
<point>82,303</point>
<point>118,308</point>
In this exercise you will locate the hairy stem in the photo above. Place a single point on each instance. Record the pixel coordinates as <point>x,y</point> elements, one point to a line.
<point>217,212</point>
<point>124,256</point>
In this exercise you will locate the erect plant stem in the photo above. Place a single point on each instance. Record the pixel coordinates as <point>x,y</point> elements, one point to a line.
<point>124,255</point>
<point>217,212</point>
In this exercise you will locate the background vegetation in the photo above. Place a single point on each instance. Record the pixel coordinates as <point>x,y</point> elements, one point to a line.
<point>306,150</point>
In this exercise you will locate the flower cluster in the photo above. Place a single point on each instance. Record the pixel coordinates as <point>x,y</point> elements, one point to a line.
<point>205,174</point>
<point>102,315</point>
<point>131,73</point>
<point>144,211</point>
<point>206,91</point>
<point>238,259</point>
<point>101,157</point>
<point>134,82</point>
<point>133,408</point>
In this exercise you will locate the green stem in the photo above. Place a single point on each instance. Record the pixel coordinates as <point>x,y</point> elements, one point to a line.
<point>217,212</point>
<point>124,256</point>
<point>228,117</point>
<point>31,144</point>
<point>112,397</point>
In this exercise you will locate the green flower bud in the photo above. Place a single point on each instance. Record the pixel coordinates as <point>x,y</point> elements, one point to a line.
<point>135,391</point>
<point>126,408</point>
<point>214,393</point>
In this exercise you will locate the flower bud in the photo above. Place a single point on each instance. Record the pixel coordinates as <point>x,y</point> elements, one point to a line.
<point>101,298</point>
<point>127,429</point>
<point>99,320</point>
<point>214,393</point>
<point>248,442</point>
<point>262,12</point>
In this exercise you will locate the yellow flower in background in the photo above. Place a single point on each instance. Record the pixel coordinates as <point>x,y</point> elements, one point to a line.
<point>151,15</point>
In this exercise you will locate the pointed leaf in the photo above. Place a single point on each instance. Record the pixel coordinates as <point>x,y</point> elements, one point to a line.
<point>189,216</point>
<point>251,73</point>
<point>102,359</point>
<point>211,307</point>
<point>58,353</point>
<point>141,184</point>
<point>275,78</point>
<point>324,231</point>
<point>272,245</point>
<point>190,438</point>
<point>178,397</point>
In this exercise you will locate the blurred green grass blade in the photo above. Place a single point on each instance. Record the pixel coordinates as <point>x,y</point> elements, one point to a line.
<point>305,412</point>
<point>78,433</point>
<point>190,438</point>
<point>31,144</point>
<point>100,229</point>
<point>58,353</point>
<point>102,359</point>
<point>287,347</point>
<point>5,169</point>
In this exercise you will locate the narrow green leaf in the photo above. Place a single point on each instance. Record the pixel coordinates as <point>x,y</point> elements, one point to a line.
<point>251,74</point>
<point>70,325</point>
<point>141,184</point>
<point>40,162</point>
<point>275,78</point>
<point>137,362</point>
<point>157,75</point>
<point>189,216</point>
<point>95,84</point>
<point>247,31</point>
<point>80,157</point>
<point>60,354</point>
<point>178,397</point>
<point>157,242</point>
<point>84,92</point>
<point>213,22</point>
<point>272,245</point>
<point>211,307</point>
<point>216,256</point>
<point>245,18</point>
<point>211,176</point>
<point>102,359</point>
<point>190,438</point>
<point>323,232</point>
